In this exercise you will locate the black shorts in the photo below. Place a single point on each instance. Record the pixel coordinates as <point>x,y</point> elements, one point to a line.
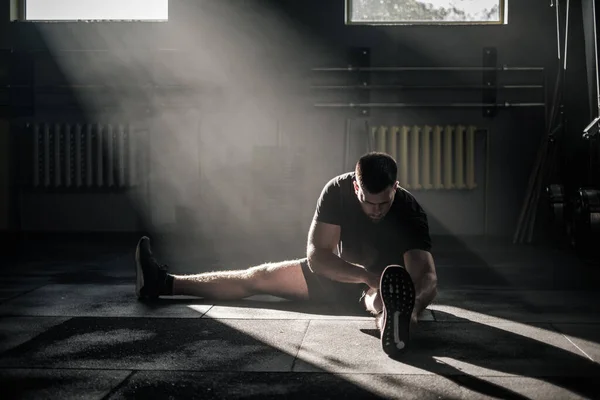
<point>324,290</point>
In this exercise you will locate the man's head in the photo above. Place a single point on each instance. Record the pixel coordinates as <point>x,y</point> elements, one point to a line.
<point>375,184</point>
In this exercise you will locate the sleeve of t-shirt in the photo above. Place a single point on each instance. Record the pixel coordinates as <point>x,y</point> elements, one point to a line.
<point>329,204</point>
<point>416,226</point>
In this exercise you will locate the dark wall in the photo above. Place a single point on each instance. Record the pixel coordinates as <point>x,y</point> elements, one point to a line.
<point>4,127</point>
<point>591,20</point>
<point>246,69</point>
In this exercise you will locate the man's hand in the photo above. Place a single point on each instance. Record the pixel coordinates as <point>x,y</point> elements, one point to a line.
<point>372,279</point>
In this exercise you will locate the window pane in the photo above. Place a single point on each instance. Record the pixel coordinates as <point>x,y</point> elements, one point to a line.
<point>429,11</point>
<point>71,10</point>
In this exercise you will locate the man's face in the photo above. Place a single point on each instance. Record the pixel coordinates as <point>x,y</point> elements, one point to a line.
<point>376,205</point>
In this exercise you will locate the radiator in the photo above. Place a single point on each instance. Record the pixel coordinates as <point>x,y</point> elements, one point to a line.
<point>83,156</point>
<point>430,158</point>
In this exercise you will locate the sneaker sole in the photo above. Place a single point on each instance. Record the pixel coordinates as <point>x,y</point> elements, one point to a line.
<point>139,275</point>
<point>398,297</point>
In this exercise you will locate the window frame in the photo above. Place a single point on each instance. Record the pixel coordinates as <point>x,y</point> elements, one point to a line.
<point>18,12</point>
<point>348,20</point>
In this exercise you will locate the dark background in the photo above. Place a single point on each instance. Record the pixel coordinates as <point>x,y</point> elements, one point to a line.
<point>236,153</point>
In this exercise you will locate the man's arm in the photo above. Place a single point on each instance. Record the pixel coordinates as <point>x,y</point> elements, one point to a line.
<point>323,239</point>
<point>421,267</point>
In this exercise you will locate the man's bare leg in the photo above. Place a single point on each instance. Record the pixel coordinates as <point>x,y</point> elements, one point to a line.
<point>284,279</point>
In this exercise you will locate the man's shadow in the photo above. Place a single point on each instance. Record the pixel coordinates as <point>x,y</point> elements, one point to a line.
<point>480,345</point>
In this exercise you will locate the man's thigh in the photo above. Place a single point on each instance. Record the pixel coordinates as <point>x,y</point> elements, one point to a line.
<point>324,290</point>
<point>283,279</point>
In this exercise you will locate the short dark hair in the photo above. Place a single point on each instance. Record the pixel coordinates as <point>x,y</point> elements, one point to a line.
<point>376,171</point>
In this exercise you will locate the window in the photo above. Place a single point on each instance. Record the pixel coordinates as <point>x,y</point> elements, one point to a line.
<point>96,10</point>
<point>416,12</point>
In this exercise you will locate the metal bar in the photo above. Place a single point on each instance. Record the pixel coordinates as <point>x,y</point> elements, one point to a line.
<point>190,88</point>
<point>395,69</point>
<point>409,87</point>
<point>425,105</point>
<point>48,51</point>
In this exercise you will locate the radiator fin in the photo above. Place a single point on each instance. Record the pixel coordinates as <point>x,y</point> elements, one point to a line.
<point>430,157</point>
<point>83,156</point>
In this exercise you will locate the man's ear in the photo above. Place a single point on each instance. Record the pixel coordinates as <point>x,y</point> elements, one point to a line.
<point>355,187</point>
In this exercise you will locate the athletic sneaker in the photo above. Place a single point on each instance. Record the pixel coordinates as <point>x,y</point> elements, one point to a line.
<point>398,296</point>
<point>150,275</point>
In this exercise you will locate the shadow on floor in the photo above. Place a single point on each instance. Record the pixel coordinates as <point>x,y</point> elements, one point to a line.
<point>170,358</point>
<point>483,346</point>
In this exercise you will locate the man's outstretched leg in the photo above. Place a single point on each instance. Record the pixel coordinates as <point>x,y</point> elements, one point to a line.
<point>283,279</point>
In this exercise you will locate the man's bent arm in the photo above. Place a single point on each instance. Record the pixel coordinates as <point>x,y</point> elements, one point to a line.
<point>421,267</point>
<point>323,239</point>
<point>328,264</point>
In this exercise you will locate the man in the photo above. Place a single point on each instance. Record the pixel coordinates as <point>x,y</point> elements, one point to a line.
<point>369,241</point>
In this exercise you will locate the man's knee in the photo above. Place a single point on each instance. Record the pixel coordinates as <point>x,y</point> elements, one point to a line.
<point>259,277</point>
<point>273,277</point>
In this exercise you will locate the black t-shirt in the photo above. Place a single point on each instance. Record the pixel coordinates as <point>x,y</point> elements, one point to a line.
<point>373,245</point>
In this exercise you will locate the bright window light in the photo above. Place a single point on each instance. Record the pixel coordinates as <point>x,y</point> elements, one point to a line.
<point>96,10</point>
<point>414,12</point>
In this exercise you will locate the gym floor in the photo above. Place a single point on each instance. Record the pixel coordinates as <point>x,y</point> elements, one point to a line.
<point>510,322</point>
